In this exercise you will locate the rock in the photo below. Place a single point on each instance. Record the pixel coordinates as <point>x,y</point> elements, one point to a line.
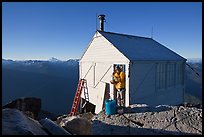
<point>87,116</point>
<point>198,106</point>
<point>120,110</point>
<point>53,128</point>
<point>15,122</point>
<point>29,114</point>
<point>76,125</point>
<point>65,118</point>
<point>45,114</point>
<point>144,120</point>
<point>30,104</point>
<point>59,120</point>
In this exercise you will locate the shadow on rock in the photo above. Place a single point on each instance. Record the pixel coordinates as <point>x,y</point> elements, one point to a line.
<point>30,105</point>
<point>143,109</point>
<point>101,128</point>
<point>14,122</point>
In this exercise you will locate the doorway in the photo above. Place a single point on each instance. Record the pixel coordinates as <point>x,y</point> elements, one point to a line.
<point>122,67</point>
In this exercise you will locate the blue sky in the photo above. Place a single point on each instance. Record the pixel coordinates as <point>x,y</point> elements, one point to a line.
<point>32,30</point>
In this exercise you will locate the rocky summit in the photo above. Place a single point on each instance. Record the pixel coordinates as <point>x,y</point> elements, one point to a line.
<point>144,120</point>
<point>137,119</point>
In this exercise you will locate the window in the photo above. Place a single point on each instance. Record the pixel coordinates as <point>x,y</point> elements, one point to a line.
<point>169,75</point>
<point>160,82</point>
<point>179,74</point>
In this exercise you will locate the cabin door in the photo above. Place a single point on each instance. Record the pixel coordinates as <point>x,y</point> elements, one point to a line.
<point>122,66</point>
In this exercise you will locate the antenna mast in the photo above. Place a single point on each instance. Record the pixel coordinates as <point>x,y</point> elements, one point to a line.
<point>152,33</point>
<point>96,21</point>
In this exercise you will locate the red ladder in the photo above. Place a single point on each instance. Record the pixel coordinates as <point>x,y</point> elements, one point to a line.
<point>77,97</point>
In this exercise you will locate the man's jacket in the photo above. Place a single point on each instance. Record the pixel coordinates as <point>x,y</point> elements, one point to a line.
<point>119,79</point>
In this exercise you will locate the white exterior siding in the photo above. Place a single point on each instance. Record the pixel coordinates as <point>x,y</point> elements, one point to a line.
<point>96,66</point>
<point>101,50</point>
<point>144,89</point>
<point>103,72</point>
<point>97,81</point>
<point>143,83</point>
<point>142,80</point>
<point>172,96</point>
<point>97,77</point>
<point>87,72</point>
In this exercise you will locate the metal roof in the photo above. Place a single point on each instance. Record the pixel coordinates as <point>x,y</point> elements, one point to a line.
<point>140,48</point>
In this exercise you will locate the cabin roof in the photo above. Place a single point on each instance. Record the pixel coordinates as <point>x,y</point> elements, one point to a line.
<point>140,48</point>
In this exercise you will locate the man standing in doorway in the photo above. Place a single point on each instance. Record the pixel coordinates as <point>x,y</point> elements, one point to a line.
<point>119,83</point>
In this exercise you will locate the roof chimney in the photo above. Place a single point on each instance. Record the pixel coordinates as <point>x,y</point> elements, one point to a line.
<point>101,18</point>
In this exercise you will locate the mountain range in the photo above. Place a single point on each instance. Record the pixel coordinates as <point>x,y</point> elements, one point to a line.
<point>55,81</point>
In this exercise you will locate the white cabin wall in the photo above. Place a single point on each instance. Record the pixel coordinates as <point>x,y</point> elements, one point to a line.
<point>100,57</point>
<point>95,91</point>
<point>172,96</point>
<point>142,80</point>
<point>87,71</point>
<point>143,87</point>
<point>103,72</point>
<point>101,50</point>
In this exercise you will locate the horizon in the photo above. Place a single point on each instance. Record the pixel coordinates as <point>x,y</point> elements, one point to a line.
<point>75,59</point>
<point>41,59</point>
<point>63,30</point>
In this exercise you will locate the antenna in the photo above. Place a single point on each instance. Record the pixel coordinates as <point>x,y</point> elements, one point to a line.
<point>96,21</point>
<point>152,33</point>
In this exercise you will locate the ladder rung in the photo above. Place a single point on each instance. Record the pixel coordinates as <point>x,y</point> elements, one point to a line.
<point>77,93</point>
<point>79,90</point>
<point>81,85</point>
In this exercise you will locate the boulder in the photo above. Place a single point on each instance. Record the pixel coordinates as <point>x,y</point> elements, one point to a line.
<point>64,119</point>
<point>46,114</point>
<point>87,116</point>
<point>29,114</point>
<point>52,127</point>
<point>15,122</point>
<point>60,118</point>
<point>76,124</point>
<point>28,104</point>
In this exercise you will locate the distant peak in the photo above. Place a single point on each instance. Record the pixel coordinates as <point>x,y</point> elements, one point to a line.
<point>194,60</point>
<point>73,60</point>
<point>54,59</point>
